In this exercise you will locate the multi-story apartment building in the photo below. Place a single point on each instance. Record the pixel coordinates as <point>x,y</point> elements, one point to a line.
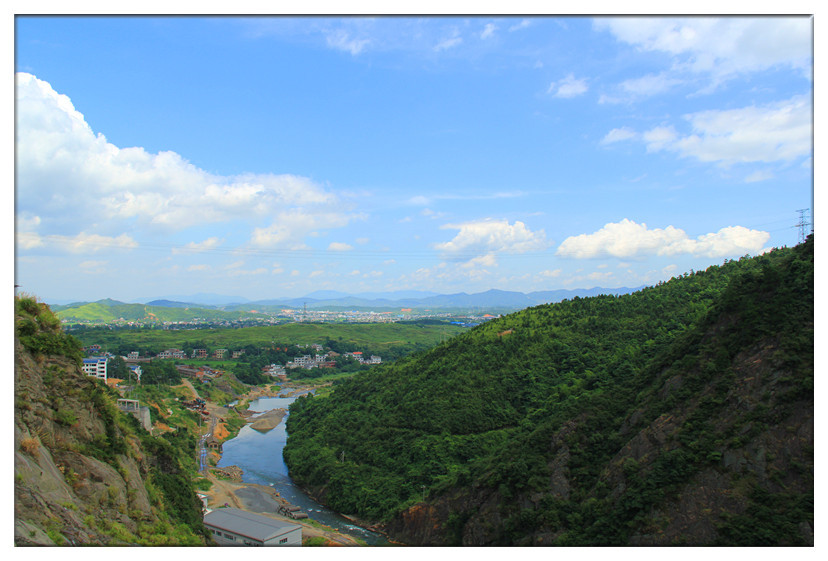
<point>95,366</point>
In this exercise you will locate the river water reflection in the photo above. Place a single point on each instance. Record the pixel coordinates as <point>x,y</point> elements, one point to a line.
<point>259,455</point>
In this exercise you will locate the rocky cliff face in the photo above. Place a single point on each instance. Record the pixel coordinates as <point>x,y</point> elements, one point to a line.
<point>83,475</point>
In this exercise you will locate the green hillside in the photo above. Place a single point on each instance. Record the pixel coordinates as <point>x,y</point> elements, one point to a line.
<point>682,413</point>
<point>377,337</point>
<point>105,311</point>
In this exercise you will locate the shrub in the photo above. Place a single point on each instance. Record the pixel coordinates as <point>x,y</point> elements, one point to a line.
<point>30,446</point>
<point>65,417</point>
<point>55,536</point>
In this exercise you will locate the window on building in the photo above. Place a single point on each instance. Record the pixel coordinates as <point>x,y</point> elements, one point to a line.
<point>283,540</point>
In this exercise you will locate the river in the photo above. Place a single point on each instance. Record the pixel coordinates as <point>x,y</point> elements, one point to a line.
<point>259,455</point>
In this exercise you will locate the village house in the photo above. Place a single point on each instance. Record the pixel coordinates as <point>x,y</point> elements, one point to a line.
<point>95,366</point>
<point>275,370</point>
<point>188,371</point>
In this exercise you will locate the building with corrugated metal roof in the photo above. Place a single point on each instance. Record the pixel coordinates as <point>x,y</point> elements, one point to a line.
<point>231,526</point>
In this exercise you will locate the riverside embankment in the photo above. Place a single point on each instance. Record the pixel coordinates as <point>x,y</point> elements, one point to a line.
<point>265,483</point>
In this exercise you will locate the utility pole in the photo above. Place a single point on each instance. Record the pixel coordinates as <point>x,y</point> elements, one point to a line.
<point>802,224</point>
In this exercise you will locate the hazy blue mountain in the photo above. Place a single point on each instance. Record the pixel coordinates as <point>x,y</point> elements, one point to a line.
<point>396,295</point>
<point>332,299</point>
<point>175,304</point>
<point>325,295</point>
<point>199,298</point>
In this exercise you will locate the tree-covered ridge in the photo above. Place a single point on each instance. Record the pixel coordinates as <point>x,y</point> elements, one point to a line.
<point>472,420</point>
<point>105,311</point>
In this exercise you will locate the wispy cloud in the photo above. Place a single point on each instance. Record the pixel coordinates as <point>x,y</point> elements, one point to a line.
<point>488,31</point>
<point>449,43</point>
<point>568,87</point>
<point>714,48</point>
<point>523,24</point>
<point>198,247</point>
<point>339,246</point>
<point>342,40</point>
<point>619,135</point>
<point>774,132</point>
<point>780,131</point>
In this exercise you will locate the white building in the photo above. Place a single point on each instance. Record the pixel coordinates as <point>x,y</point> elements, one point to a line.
<point>172,353</point>
<point>95,366</point>
<point>231,526</point>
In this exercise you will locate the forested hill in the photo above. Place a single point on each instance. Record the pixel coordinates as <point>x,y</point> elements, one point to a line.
<point>679,414</point>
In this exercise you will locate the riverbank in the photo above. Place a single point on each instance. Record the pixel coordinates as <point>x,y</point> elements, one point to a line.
<point>252,497</point>
<point>265,500</point>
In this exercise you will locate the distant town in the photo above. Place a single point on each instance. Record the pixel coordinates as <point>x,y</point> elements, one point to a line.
<point>285,316</point>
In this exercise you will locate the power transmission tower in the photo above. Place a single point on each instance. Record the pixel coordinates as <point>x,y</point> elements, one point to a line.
<point>802,224</point>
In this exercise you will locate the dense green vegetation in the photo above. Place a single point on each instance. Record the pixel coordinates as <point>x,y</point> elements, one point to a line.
<point>389,340</point>
<point>479,412</point>
<point>38,330</point>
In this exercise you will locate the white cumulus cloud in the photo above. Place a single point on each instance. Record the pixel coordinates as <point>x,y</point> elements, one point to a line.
<point>65,169</point>
<point>627,239</point>
<point>491,236</point>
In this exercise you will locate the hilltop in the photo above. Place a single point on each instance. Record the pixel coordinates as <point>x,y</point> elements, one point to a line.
<point>109,311</point>
<point>678,414</point>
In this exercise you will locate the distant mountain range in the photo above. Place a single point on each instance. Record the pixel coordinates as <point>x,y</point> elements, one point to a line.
<point>491,300</point>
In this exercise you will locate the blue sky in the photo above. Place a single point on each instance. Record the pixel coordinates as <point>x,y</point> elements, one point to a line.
<point>268,157</point>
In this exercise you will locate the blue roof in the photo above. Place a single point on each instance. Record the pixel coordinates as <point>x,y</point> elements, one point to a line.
<point>93,360</point>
